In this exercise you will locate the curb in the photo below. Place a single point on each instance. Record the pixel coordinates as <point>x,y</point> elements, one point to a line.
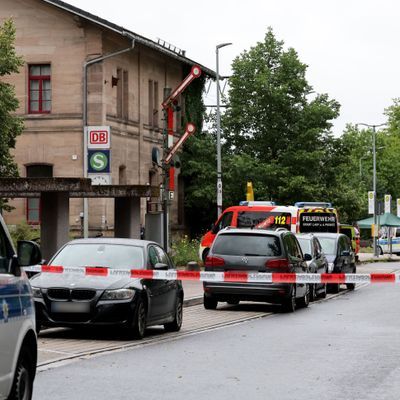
<point>193,301</point>
<point>376,260</point>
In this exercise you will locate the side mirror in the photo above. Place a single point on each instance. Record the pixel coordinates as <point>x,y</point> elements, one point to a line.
<point>15,267</point>
<point>345,253</point>
<point>161,267</point>
<point>307,257</point>
<point>28,253</point>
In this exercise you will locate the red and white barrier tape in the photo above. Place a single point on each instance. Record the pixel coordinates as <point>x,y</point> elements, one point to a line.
<point>260,277</point>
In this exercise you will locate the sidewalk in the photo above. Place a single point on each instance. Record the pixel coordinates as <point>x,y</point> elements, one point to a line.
<point>193,293</point>
<point>369,257</point>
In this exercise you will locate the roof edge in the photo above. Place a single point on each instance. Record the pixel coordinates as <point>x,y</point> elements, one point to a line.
<point>122,31</point>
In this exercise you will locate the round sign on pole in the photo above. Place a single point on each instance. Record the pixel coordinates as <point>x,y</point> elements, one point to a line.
<point>196,71</point>
<point>99,161</point>
<point>190,128</point>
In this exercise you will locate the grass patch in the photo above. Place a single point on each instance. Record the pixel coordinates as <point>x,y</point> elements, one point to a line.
<point>184,250</point>
<point>23,231</point>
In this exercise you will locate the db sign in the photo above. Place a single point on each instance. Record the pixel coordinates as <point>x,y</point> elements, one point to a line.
<point>98,137</point>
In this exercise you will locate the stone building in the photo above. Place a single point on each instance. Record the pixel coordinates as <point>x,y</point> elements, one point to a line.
<point>124,92</point>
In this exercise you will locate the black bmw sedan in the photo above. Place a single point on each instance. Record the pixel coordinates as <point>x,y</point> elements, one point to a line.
<point>70,299</point>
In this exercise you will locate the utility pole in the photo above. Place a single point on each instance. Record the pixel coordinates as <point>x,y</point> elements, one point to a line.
<point>219,167</point>
<point>374,181</point>
<point>166,167</point>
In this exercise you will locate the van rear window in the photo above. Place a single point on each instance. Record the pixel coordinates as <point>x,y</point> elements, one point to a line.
<point>263,219</point>
<point>239,244</point>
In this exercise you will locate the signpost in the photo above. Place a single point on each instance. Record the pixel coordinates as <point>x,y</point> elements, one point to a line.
<point>99,154</point>
<point>388,201</point>
<point>170,149</point>
<point>371,202</point>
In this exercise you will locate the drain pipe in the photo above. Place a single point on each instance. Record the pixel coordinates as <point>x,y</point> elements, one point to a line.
<point>87,64</point>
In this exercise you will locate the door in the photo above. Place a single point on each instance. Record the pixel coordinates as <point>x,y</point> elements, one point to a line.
<point>297,262</point>
<point>320,259</point>
<point>169,289</point>
<point>344,254</point>
<point>160,291</point>
<point>10,312</point>
<point>396,240</point>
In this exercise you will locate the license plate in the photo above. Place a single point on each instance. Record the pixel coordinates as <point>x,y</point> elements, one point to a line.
<point>70,307</point>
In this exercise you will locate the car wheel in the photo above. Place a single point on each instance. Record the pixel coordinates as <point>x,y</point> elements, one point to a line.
<point>289,304</point>
<point>138,326</point>
<point>334,287</point>
<point>210,303</point>
<point>352,286</point>
<point>23,379</point>
<point>176,324</point>
<point>234,302</point>
<point>304,301</point>
<point>322,294</point>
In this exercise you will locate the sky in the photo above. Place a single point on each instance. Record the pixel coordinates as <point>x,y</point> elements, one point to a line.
<point>351,47</point>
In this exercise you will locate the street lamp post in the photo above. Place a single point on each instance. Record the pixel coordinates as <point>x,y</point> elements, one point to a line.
<point>219,169</point>
<point>374,179</point>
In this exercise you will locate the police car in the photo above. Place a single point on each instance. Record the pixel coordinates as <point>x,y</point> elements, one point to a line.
<point>18,346</point>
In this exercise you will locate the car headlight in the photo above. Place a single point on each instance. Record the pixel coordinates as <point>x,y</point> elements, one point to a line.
<point>36,292</point>
<point>330,267</point>
<point>118,294</point>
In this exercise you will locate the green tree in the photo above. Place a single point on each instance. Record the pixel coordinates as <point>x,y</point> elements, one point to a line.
<point>11,125</point>
<point>273,119</point>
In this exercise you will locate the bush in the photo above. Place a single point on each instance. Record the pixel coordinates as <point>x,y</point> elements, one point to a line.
<point>23,231</point>
<point>184,250</point>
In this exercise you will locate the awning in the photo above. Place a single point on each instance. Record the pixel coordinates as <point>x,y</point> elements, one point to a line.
<point>386,219</point>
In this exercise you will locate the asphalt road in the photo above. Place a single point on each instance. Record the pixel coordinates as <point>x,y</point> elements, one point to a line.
<point>344,348</point>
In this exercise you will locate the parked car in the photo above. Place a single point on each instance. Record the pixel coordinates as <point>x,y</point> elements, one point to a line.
<point>261,251</point>
<point>72,300</point>
<point>18,344</point>
<point>385,241</point>
<point>340,256</point>
<point>316,260</point>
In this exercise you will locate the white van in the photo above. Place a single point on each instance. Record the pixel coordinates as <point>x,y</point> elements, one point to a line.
<point>18,346</point>
<point>384,243</point>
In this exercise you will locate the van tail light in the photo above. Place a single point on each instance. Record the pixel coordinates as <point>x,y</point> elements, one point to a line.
<point>282,264</point>
<point>214,261</point>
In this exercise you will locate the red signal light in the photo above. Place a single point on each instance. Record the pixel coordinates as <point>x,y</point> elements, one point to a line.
<point>214,261</point>
<point>281,264</point>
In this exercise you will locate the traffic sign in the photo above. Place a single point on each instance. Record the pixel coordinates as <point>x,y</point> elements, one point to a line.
<point>99,137</point>
<point>99,161</point>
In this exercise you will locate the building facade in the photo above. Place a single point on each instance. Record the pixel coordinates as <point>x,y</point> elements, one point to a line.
<point>124,91</point>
